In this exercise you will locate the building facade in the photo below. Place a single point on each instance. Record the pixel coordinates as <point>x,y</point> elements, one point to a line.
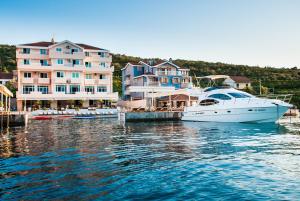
<point>238,82</point>
<point>141,79</point>
<point>58,72</point>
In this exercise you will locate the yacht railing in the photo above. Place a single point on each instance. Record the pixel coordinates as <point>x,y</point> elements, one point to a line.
<point>283,97</point>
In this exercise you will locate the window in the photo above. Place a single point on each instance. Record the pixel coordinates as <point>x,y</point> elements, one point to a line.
<point>60,74</point>
<point>60,61</point>
<point>26,61</point>
<point>88,76</point>
<point>58,49</point>
<point>74,50</point>
<point>43,51</point>
<point>43,89</point>
<point>44,62</point>
<point>185,80</point>
<point>207,102</point>
<point>176,80</point>
<point>27,75</point>
<point>43,75</point>
<point>101,54</point>
<point>76,62</point>
<point>89,89</point>
<point>164,80</point>
<point>102,64</point>
<point>26,51</point>
<point>87,54</point>
<point>220,96</point>
<point>237,85</point>
<point>75,75</point>
<point>101,89</point>
<point>27,89</point>
<point>74,89</point>
<point>88,64</point>
<point>60,88</point>
<point>239,95</point>
<point>102,77</point>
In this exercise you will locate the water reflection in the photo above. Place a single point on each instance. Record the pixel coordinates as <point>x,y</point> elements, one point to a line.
<point>103,159</point>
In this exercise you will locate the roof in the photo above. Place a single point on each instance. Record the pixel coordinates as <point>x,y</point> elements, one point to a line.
<point>178,97</point>
<point>47,44</point>
<point>89,47</point>
<point>7,76</point>
<point>4,90</point>
<point>39,44</point>
<point>214,77</point>
<point>240,79</point>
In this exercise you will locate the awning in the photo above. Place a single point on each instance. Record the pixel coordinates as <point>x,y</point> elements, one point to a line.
<point>177,97</point>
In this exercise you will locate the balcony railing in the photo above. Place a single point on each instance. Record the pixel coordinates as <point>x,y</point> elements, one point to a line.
<point>27,80</point>
<point>66,55</point>
<point>44,80</point>
<point>171,73</point>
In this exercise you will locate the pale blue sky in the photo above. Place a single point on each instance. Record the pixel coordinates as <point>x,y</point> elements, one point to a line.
<point>254,32</point>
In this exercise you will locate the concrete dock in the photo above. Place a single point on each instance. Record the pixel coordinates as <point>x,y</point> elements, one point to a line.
<point>149,116</point>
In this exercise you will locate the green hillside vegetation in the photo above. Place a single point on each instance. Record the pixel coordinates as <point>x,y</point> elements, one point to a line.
<point>279,80</point>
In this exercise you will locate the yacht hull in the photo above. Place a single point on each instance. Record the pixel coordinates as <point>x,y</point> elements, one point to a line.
<point>255,114</point>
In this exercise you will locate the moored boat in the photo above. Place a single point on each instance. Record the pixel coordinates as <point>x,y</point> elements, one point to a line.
<point>231,105</point>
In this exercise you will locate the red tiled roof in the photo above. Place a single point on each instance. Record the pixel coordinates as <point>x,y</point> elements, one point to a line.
<point>88,47</point>
<point>134,63</point>
<point>47,44</point>
<point>39,44</point>
<point>240,79</point>
<point>7,76</point>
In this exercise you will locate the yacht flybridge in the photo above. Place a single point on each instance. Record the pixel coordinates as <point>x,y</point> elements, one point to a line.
<point>225,104</point>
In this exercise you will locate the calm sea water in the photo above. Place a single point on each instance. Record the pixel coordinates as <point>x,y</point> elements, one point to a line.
<point>106,160</point>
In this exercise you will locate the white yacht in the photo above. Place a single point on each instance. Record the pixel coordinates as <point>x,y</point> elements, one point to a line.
<point>221,104</point>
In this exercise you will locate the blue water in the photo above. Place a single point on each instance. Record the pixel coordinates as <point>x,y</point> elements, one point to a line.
<point>94,159</point>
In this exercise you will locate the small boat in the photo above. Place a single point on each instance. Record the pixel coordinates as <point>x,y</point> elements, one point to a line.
<point>42,117</point>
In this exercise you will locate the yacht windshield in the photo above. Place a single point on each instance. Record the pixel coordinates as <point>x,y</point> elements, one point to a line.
<point>220,96</point>
<point>239,95</point>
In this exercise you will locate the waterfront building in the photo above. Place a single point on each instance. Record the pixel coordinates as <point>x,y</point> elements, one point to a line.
<point>143,79</point>
<point>58,74</point>
<point>238,82</point>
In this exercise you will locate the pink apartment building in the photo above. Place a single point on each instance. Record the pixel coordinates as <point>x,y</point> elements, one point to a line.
<point>57,72</point>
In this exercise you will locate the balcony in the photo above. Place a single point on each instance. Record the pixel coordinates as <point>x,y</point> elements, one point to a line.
<point>44,80</point>
<point>74,80</point>
<point>61,80</point>
<point>102,81</point>
<point>89,81</point>
<point>97,58</point>
<point>62,96</point>
<point>27,80</point>
<point>66,55</point>
<point>99,69</point>
<point>33,66</point>
<point>152,83</point>
<point>21,55</point>
<point>168,73</point>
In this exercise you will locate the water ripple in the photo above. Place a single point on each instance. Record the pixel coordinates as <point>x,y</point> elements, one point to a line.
<point>105,160</point>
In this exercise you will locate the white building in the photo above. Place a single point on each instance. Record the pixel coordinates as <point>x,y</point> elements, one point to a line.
<point>58,72</point>
<point>238,82</point>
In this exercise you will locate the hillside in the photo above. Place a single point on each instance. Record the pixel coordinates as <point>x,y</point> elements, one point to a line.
<point>281,79</point>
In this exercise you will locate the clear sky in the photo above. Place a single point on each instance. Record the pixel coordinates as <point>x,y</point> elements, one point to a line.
<point>254,32</point>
